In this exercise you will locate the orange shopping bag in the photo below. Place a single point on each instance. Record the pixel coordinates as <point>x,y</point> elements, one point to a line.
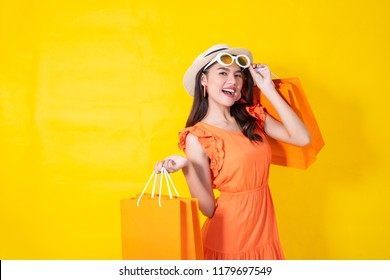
<point>286,154</point>
<point>160,227</point>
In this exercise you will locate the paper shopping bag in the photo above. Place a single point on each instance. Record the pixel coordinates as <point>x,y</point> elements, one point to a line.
<point>192,245</point>
<point>286,154</point>
<point>160,228</point>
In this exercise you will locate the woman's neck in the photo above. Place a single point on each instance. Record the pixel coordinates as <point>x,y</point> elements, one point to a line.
<point>220,116</point>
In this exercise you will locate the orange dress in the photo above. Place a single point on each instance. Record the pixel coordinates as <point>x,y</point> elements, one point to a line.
<point>244,223</point>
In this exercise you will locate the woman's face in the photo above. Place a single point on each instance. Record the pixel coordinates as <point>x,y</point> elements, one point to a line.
<point>224,83</point>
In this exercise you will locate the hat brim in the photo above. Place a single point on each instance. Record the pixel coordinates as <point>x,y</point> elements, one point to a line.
<point>192,71</point>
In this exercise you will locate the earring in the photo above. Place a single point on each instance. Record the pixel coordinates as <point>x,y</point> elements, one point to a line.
<point>204,91</point>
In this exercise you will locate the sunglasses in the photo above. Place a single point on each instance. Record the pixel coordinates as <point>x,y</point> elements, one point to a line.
<point>227,59</point>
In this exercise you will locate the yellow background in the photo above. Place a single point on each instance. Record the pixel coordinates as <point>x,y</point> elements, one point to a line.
<point>91,96</point>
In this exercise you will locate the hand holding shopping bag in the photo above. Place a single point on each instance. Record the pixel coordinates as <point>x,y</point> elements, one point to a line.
<point>162,228</point>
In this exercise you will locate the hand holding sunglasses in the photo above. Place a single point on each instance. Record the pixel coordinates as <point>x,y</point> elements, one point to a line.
<point>261,75</point>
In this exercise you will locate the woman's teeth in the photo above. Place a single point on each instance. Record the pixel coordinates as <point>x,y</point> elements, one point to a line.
<point>228,91</point>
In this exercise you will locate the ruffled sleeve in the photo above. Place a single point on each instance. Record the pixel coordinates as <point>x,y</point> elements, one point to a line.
<point>258,112</point>
<point>212,145</point>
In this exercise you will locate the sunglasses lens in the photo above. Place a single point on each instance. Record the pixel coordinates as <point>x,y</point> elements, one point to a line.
<point>242,61</point>
<point>226,59</point>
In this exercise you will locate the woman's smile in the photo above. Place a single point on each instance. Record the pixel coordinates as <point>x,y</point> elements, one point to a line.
<point>229,92</point>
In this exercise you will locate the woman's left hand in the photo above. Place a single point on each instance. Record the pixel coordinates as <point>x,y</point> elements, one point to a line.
<point>261,76</point>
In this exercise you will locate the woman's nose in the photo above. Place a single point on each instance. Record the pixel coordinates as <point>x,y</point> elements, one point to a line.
<point>232,78</point>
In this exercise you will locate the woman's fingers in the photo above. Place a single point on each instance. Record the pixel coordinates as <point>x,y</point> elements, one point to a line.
<point>261,74</point>
<point>168,164</point>
<point>257,77</point>
<point>158,166</point>
<point>260,68</point>
<point>171,164</point>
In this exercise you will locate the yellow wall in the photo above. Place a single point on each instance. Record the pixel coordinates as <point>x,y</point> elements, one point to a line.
<point>91,96</point>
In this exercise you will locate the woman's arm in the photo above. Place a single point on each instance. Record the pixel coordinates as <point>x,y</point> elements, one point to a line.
<point>196,169</point>
<point>291,129</point>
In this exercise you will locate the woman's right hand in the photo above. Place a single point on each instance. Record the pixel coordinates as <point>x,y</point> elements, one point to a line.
<point>261,76</point>
<point>171,164</point>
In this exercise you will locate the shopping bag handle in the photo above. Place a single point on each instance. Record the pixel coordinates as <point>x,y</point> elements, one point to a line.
<point>164,173</point>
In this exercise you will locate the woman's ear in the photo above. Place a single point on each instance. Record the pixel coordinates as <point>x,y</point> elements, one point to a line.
<point>203,80</point>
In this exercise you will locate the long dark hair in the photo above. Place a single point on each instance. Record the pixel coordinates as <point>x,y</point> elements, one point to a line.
<point>246,122</point>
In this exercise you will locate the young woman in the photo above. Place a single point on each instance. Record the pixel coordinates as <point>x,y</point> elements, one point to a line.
<point>225,146</point>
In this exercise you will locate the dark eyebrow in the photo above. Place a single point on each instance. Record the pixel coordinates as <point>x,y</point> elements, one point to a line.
<point>227,69</point>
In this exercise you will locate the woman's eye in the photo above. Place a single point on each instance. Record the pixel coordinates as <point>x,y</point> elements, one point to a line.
<point>239,76</point>
<point>223,73</point>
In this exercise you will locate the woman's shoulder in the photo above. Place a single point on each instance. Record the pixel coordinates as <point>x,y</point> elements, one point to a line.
<point>257,111</point>
<point>211,144</point>
<point>197,130</point>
